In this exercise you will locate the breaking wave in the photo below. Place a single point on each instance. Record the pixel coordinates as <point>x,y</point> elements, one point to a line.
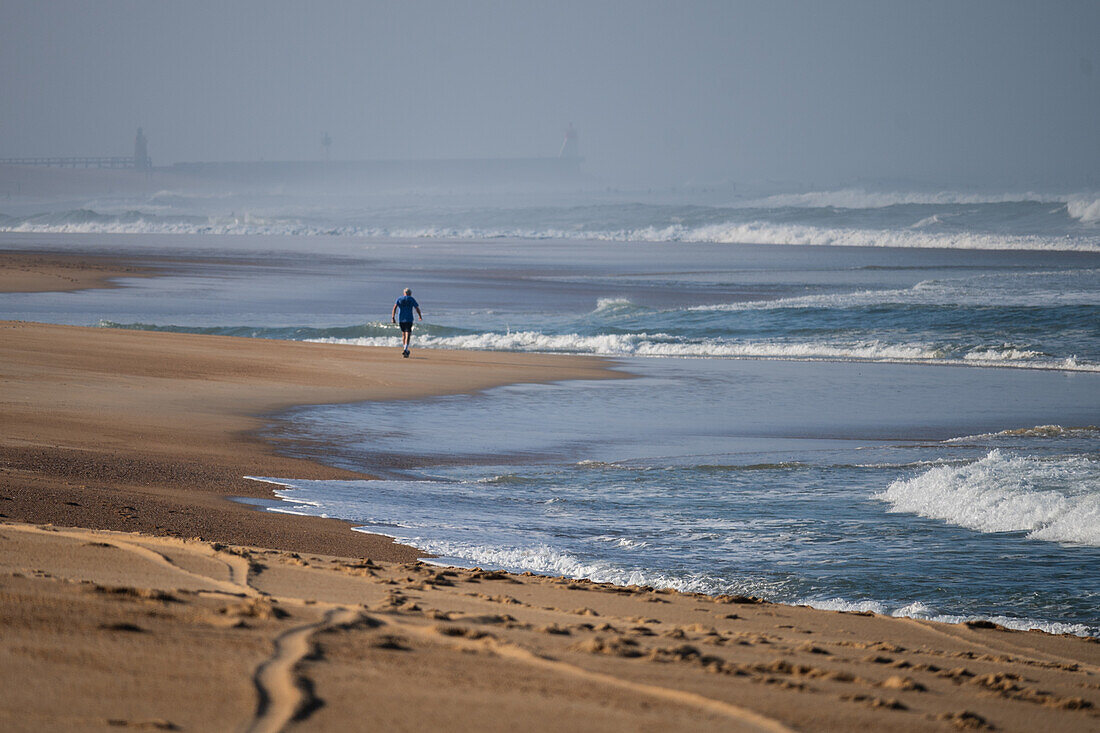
<point>1055,499</point>
<point>1033,320</point>
<point>644,344</point>
<point>859,198</point>
<point>546,559</point>
<point>850,218</point>
<point>759,232</point>
<point>661,344</point>
<point>1039,431</point>
<point>1085,210</point>
<point>1022,290</point>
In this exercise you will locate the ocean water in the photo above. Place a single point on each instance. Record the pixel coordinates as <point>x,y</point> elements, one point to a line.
<point>908,425</point>
<point>840,485</point>
<point>1039,318</point>
<point>850,217</point>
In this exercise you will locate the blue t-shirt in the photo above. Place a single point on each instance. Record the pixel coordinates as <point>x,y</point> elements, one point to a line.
<point>405,305</point>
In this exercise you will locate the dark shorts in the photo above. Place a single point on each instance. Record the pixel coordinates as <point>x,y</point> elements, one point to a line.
<point>406,326</point>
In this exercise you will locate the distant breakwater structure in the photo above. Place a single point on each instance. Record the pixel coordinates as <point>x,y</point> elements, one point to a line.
<point>43,175</point>
<point>48,176</point>
<point>441,171</point>
<point>112,162</point>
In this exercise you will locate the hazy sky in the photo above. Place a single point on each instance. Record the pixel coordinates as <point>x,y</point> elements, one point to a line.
<point>947,91</point>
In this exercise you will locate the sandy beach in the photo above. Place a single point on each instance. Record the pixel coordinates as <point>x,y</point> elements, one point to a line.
<point>34,272</point>
<point>137,594</point>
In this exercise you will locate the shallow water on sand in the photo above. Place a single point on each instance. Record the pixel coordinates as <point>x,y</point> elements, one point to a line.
<point>882,487</point>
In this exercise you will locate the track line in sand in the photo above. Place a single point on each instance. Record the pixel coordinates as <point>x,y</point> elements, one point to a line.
<point>285,691</point>
<point>238,566</point>
<point>284,695</point>
<point>748,719</point>
<point>1008,648</point>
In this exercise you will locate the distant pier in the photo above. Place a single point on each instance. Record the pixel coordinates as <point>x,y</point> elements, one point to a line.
<point>74,162</point>
<point>444,171</point>
<point>19,175</point>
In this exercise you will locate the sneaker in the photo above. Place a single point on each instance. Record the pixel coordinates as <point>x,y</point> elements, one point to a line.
<point>405,353</point>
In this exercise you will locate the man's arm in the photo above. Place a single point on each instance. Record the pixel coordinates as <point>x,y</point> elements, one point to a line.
<point>393,313</point>
<point>418,313</point>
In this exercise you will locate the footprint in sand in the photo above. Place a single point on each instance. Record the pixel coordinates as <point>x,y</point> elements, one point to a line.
<point>966,720</point>
<point>876,702</point>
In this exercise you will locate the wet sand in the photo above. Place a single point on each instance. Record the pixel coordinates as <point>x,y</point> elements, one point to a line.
<point>149,432</point>
<point>34,272</point>
<point>131,587</point>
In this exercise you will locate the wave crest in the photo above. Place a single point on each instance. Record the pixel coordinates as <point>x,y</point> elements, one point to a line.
<point>1051,499</point>
<point>739,224</point>
<point>859,198</point>
<point>663,344</point>
<point>1084,210</point>
<point>1039,431</point>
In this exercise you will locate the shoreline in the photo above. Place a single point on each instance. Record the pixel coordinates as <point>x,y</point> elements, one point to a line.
<point>137,469</point>
<point>135,414</point>
<point>130,575</point>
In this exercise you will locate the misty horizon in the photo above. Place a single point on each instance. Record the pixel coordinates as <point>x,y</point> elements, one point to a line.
<point>957,94</point>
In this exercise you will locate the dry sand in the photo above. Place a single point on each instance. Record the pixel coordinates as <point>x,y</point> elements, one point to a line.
<point>108,629</point>
<point>118,449</point>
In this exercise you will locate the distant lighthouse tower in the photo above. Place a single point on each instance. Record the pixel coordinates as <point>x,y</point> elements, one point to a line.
<point>142,161</point>
<point>569,147</point>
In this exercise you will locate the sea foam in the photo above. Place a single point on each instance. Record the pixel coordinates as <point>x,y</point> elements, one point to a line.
<point>1054,499</point>
<point>859,198</point>
<point>666,345</point>
<point>1084,209</point>
<point>660,344</point>
<point>731,225</point>
<point>547,560</point>
<point>1023,290</point>
<point>921,610</point>
<point>1038,431</point>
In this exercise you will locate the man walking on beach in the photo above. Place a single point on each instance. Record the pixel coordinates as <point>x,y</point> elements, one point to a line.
<point>405,306</point>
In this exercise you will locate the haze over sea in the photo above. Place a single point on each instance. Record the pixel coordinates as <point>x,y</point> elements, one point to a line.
<point>897,412</point>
